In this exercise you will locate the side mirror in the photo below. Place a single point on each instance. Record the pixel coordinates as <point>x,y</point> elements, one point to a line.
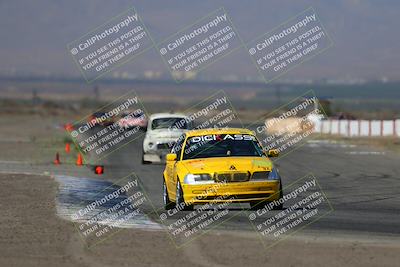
<point>273,153</point>
<point>171,157</point>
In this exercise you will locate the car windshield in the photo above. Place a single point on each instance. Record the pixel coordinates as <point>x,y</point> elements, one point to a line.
<point>132,114</point>
<point>98,114</point>
<point>222,145</point>
<point>138,115</point>
<point>169,123</point>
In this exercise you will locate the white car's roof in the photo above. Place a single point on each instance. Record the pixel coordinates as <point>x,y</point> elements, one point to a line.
<point>167,115</point>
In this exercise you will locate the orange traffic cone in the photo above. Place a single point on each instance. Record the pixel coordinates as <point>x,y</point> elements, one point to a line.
<point>67,147</point>
<point>79,161</point>
<point>99,170</point>
<point>57,160</point>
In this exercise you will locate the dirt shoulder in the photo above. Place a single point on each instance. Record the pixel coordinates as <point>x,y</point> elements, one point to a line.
<point>30,232</point>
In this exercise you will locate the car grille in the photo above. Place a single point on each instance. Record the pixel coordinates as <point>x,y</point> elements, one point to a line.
<point>165,146</point>
<point>232,177</point>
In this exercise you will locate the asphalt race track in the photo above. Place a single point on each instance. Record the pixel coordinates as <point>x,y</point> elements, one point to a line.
<point>361,183</point>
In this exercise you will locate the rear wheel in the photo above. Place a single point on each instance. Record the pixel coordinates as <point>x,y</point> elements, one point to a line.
<point>180,199</point>
<point>168,204</point>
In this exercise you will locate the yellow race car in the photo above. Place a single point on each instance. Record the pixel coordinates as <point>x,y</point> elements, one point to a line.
<point>219,166</point>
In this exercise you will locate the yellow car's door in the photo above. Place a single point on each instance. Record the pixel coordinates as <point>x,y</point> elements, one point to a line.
<point>169,179</point>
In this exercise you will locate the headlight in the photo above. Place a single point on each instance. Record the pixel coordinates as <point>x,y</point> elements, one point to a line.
<point>273,174</point>
<point>263,176</point>
<point>198,179</point>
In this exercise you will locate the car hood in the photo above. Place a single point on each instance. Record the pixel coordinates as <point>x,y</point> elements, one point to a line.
<point>166,133</point>
<point>228,164</point>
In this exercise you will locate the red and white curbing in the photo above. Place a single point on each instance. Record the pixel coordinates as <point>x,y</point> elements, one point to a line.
<point>355,128</point>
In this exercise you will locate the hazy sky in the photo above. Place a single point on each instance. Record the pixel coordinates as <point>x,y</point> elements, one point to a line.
<point>34,34</point>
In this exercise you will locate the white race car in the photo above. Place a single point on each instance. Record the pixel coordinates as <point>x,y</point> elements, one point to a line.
<point>163,129</point>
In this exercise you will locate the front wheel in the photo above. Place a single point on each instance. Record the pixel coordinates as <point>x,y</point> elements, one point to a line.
<point>179,198</point>
<point>255,205</point>
<point>168,204</point>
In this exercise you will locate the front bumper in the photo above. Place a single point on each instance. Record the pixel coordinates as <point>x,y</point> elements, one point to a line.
<point>231,192</point>
<point>155,157</point>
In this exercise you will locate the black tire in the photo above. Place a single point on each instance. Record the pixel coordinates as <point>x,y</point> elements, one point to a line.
<point>168,204</point>
<point>255,205</point>
<point>280,206</point>
<point>180,199</point>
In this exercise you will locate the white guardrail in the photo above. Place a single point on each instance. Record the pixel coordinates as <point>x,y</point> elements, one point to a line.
<point>355,128</point>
